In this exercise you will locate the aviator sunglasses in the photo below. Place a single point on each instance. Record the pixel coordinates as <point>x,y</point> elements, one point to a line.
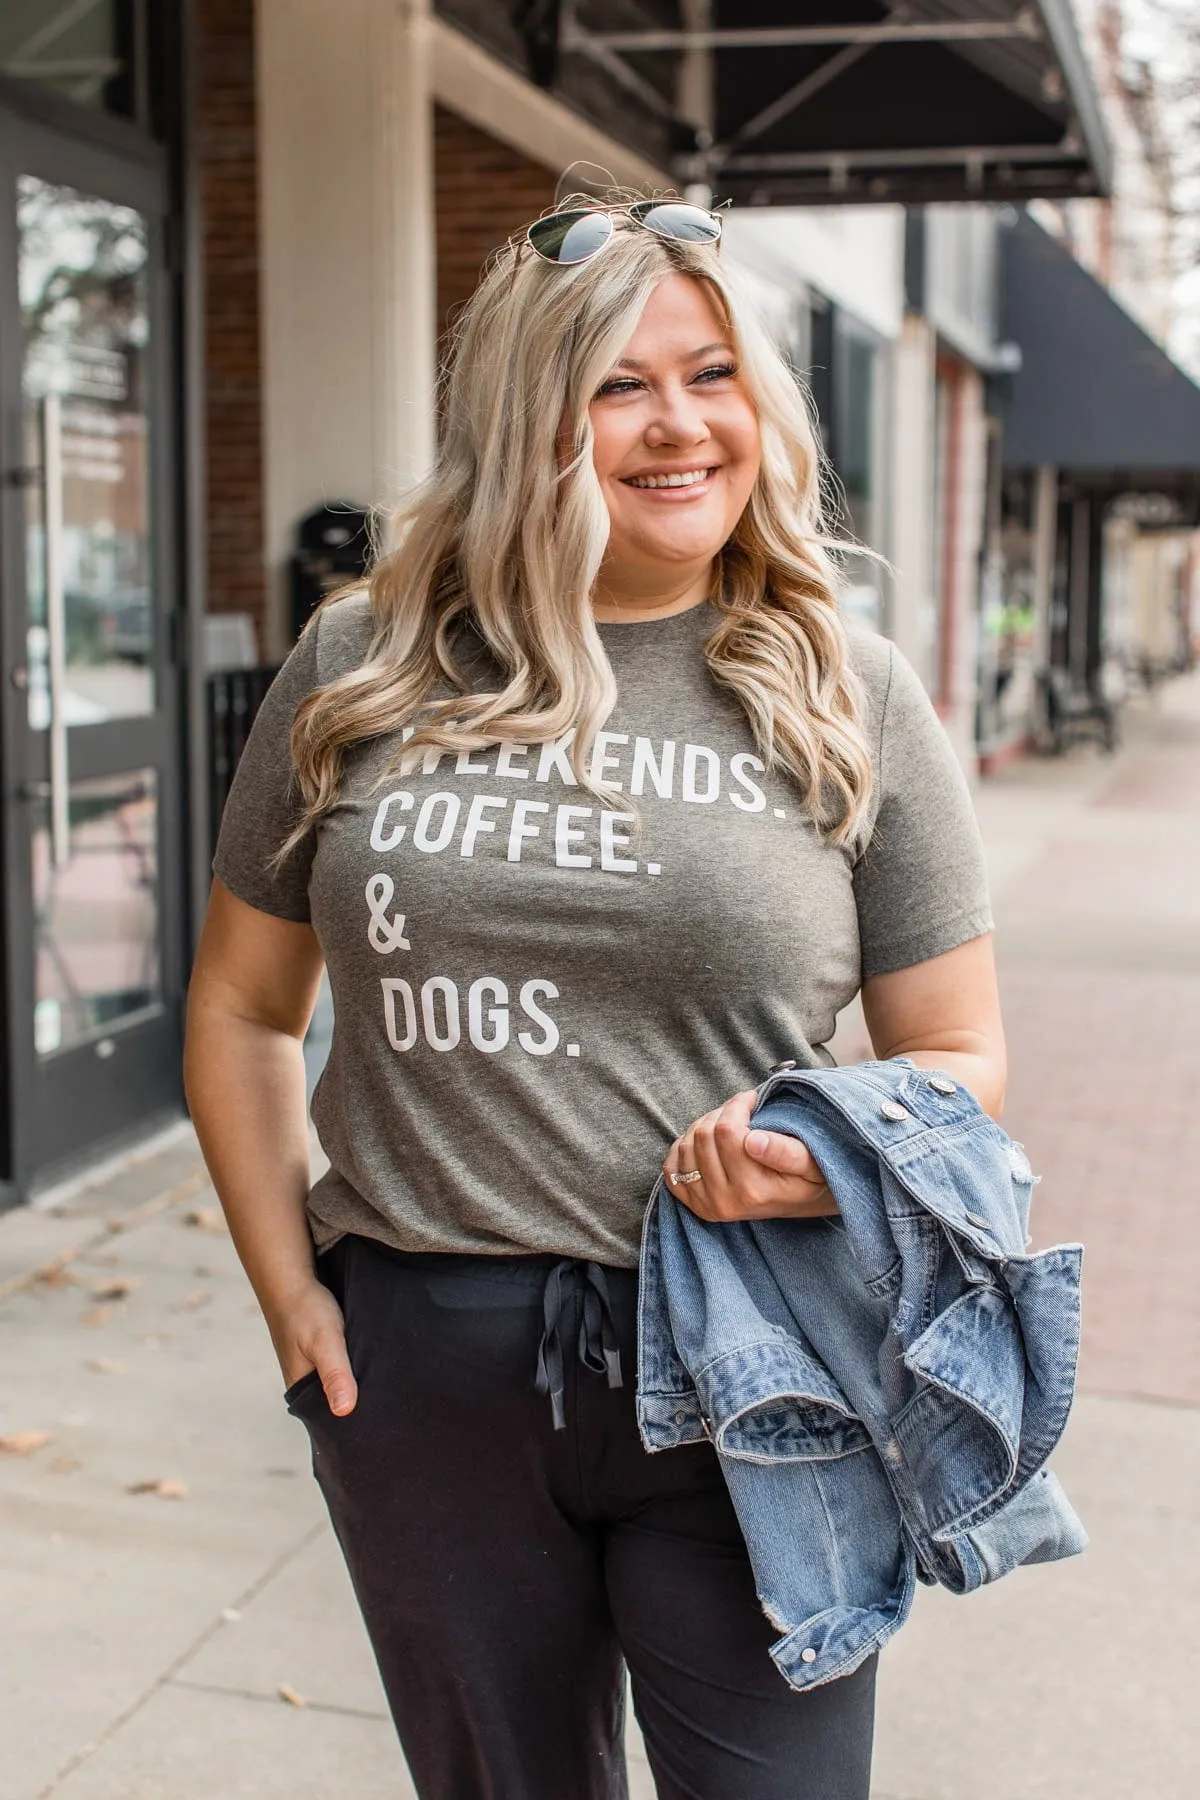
<point>577,235</point>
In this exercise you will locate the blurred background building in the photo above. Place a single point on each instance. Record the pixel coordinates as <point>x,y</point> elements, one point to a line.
<point>231,241</point>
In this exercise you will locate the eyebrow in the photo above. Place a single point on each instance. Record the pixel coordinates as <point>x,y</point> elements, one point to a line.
<point>629,362</point>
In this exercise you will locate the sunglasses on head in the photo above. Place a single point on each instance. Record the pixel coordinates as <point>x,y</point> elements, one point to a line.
<point>575,236</point>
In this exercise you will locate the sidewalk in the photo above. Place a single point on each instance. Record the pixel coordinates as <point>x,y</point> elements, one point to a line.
<point>156,1644</point>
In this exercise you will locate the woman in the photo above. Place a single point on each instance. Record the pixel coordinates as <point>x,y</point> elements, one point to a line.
<point>594,812</point>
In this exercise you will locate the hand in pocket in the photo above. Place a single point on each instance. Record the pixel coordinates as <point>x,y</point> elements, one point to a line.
<point>308,1333</point>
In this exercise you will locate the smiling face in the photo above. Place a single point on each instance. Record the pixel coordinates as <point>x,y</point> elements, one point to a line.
<point>675,443</point>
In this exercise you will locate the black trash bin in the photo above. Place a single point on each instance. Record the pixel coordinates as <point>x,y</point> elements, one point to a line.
<point>332,548</point>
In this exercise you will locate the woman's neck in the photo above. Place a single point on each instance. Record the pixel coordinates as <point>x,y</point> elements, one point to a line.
<point>619,597</point>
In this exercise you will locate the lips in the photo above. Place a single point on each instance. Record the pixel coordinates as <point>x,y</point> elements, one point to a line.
<point>674,478</point>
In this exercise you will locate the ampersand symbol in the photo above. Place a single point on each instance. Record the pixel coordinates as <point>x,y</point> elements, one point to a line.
<point>384,934</point>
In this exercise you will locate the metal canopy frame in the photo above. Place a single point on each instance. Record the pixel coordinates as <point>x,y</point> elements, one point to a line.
<point>773,37</point>
<point>790,101</point>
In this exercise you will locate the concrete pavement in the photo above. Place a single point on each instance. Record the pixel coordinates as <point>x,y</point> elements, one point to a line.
<point>150,1638</point>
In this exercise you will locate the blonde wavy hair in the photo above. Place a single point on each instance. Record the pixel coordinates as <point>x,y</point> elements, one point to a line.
<point>509,532</point>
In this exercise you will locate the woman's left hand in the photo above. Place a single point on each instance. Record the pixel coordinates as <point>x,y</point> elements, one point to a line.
<point>746,1174</point>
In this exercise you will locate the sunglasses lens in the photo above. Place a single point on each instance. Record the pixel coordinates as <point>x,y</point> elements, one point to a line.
<point>677,220</point>
<point>570,237</point>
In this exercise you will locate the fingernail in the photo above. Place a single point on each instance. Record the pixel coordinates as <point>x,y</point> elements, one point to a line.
<point>756,1142</point>
<point>339,1401</point>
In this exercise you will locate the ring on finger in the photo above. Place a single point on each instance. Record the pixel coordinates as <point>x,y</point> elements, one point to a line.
<point>686,1175</point>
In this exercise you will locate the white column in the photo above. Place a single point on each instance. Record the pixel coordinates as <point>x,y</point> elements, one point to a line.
<point>911,498</point>
<point>971,502</point>
<point>406,322</point>
<point>695,92</point>
<point>347,260</point>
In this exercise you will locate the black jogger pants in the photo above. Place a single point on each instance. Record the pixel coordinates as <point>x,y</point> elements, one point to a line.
<point>508,1570</point>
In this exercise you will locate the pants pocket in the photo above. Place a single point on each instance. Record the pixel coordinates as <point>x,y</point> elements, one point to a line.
<point>299,1390</point>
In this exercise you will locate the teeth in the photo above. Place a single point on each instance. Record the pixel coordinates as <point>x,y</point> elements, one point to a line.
<point>688,479</point>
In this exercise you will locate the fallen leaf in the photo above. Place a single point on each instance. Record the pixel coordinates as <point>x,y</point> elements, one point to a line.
<point>120,1289</point>
<point>155,1339</point>
<point>103,1366</point>
<point>114,1225</point>
<point>165,1487</point>
<point>54,1275</point>
<point>204,1272</point>
<point>23,1443</point>
<point>193,1302</point>
<point>290,1695</point>
<point>97,1315</point>
<point>109,1260</point>
<point>206,1218</point>
<point>63,1465</point>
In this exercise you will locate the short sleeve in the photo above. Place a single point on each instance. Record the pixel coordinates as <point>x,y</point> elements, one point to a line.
<point>265,804</point>
<point>921,883</point>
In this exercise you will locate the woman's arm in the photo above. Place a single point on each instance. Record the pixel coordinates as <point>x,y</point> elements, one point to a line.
<point>944,1014</point>
<point>252,994</point>
<point>941,1014</point>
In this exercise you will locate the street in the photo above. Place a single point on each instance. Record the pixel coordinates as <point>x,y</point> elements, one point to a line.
<point>197,1640</point>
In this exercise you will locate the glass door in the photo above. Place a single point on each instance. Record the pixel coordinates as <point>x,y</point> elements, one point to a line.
<point>91,884</point>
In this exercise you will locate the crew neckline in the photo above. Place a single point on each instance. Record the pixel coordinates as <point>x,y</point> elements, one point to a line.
<point>703,608</point>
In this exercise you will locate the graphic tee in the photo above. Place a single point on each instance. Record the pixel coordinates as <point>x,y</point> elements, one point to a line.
<point>533,995</point>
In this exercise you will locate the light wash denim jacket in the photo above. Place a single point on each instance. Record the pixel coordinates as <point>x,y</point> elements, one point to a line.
<point>883,1388</point>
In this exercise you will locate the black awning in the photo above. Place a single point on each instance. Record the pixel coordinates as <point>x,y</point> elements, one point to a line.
<point>1093,392</point>
<point>798,102</point>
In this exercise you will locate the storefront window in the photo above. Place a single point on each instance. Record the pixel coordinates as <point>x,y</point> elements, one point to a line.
<point>96,943</point>
<point>856,434</point>
<point>846,385</point>
<point>857,398</point>
<point>83,51</point>
<point>1007,619</point>
<point>83,277</point>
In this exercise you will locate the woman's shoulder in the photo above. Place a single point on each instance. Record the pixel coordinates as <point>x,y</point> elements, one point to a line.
<point>342,633</point>
<point>872,657</point>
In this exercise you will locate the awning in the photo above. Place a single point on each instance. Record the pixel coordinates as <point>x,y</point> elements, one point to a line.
<point>1094,392</point>
<point>797,102</point>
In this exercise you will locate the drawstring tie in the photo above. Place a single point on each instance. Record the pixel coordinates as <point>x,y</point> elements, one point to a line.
<point>597,1348</point>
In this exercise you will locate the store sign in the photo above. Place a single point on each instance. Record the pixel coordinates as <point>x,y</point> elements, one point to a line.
<point>88,371</point>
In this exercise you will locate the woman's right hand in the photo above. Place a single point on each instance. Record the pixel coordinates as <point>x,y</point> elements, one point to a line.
<point>309,1333</point>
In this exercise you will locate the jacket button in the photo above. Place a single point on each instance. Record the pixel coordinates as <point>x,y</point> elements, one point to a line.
<point>809,1655</point>
<point>778,1068</point>
<point>892,1109</point>
<point>942,1084</point>
<point>681,1418</point>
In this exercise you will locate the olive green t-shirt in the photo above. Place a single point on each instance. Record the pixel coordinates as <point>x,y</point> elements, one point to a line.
<point>534,995</point>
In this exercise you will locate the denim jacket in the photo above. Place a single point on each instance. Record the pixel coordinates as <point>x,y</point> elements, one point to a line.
<point>883,1388</point>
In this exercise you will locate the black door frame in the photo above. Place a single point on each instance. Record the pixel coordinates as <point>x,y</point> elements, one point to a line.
<point>38,1140</point>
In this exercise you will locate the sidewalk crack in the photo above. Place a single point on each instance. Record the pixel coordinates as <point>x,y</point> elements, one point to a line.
<point>317,1706</point>
<point>242,1601</point>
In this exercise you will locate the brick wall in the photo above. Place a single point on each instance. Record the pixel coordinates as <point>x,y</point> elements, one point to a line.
<point>483,192</point>
<point>228,198</point>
